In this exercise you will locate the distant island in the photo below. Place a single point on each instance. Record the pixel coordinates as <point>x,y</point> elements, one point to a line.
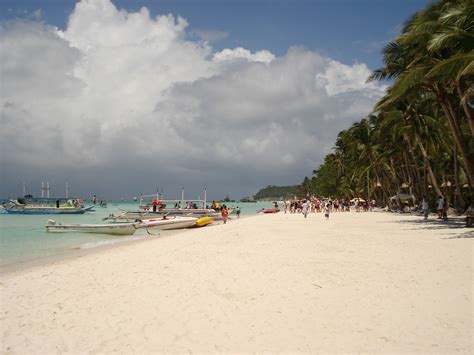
<point>273,193</point>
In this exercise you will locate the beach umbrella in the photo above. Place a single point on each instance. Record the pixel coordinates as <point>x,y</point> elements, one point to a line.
<point>358,199</point>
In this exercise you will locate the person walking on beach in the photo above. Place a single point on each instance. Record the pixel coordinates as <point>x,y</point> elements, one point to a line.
<point>326,212</point>
<point>440,207</point>
<point>305,207</point>
<point>237,211</point>
<point>425,207</point>
<point>445,209</point>
<point>224,213</point>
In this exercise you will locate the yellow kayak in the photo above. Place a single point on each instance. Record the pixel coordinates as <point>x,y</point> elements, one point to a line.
<point>203,221</point>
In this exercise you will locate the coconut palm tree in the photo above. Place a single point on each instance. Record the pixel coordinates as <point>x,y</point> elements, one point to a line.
<point>434,57</point>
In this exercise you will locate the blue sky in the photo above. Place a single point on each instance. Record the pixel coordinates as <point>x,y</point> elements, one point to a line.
<point>346,30</point>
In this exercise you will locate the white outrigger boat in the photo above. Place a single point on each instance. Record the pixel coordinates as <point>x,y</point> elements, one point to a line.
<point>131,216</point>
<point>155,207</point>
<point>167,223</point>
<point>45,206</point>
<point>105,228</point>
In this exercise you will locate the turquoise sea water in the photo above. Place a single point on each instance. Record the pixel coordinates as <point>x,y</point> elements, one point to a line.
<point>23,238</point>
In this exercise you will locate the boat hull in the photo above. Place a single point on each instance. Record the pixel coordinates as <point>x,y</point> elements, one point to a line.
<point>131,216</point>
<point>204,221</point>
<point>113,229</point>
<point>269,210</point>
<point>167,224</point>
<point>45,206</point>
<point>47,210</point>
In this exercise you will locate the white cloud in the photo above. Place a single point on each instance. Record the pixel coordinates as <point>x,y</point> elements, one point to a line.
<point>242,53</point>
<point>131,93</point>
<point>339,78</point>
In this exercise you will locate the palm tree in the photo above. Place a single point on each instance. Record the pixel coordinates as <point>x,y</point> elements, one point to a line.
<point>434,57</point>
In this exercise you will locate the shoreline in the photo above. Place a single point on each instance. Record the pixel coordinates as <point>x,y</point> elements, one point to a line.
<point>359,282</point>
<point>77,252</point>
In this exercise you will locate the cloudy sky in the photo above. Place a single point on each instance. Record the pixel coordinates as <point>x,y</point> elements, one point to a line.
<point>124,97</point>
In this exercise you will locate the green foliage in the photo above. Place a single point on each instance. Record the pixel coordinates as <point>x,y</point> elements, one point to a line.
<point>326,179</point>
<point>272,192</point>
<point>421,133</point>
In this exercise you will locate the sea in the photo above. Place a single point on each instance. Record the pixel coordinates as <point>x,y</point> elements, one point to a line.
<point>24,240</point>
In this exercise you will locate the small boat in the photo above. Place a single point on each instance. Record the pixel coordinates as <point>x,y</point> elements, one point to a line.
<point>45,206</point>
<point>203,221</point>
<point>133,215</point>
<point>174,211</point>
<point>269,210</point>
<point>167,223</point>
<point>115,229</point>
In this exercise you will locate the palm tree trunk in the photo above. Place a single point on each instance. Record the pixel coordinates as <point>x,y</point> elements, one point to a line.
<point>416,174</point>
<point>465,106</point>
<point>458,138</point>
<point>432,176</point>
<point>457,184</point>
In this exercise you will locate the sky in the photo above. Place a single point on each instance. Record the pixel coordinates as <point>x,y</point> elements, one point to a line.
<point>124,97</point>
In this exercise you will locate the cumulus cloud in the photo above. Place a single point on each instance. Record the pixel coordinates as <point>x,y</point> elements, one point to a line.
<point>242,53</point>
<point>132,99</point>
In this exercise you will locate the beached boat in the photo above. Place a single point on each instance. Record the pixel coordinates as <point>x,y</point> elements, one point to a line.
<point>131,216</point>
<point>115,229</point>
<point>203,221</point>
<point>269,210</point>
<point>45,206</point>
<point>166,223</point>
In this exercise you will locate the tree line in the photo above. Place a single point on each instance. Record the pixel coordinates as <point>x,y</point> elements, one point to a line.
<point>419,138</point>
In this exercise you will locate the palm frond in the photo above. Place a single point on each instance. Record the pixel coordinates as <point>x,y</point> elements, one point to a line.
<point>469,70</point>
<point>409,80</point>
<point>451,68</point>
<point>451,38</point>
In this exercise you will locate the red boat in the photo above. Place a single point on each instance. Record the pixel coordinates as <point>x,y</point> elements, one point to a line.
<point>269,210</point>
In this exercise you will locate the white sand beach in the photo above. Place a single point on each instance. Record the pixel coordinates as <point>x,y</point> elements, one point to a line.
<point>359,282</point>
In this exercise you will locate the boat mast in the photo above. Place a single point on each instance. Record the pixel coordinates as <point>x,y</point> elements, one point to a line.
<point>182,196</point>
<point>42,189</point>
<point>205,198</point>
<point>67,189</point>
<point>24,189</point>
<point>47,189</point>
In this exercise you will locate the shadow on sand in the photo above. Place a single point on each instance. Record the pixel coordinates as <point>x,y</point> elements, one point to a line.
<point>433,223</point>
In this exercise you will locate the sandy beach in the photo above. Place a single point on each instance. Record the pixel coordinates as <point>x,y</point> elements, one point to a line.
<point>359,282</point>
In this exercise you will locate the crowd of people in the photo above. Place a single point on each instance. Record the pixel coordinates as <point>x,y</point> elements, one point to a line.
<point>326,205</point>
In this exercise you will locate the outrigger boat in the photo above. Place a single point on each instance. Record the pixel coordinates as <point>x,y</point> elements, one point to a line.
<point>29,205</point>
<point>166,223</point>
<point>131,216</point>
<point>115,229</point>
